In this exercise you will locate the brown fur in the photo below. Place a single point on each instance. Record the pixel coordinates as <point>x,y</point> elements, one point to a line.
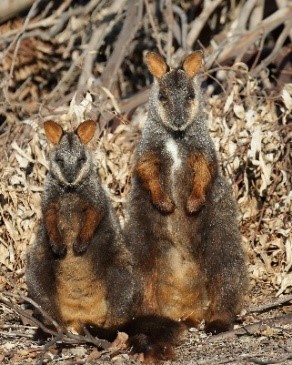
<point>193,63</point>
<point>156,64</point>
<point>51,224</point>
<point>204,174</point>
<point>79,269</point>
<point>190,261</point>
<point>148,171</point>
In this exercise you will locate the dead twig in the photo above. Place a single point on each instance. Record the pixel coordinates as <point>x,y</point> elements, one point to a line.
<point>9,8</point>
<point>272,305</point>
<point>130,27</point>
<point>197,25</point>
<point>278,45</point>
<point>253,328</point>
<point>156,34</point>
<point>279,361</point>
<point>60,333</point>
<point>240,42</point>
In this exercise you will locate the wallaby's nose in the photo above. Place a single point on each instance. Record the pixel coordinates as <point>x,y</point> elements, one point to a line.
<point>178,122</point>
<point>70,177</point>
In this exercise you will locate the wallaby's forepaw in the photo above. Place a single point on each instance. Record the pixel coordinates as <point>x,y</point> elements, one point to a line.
<point>165,206</point>
<point>194,205</point>
<point>80,246</point>
<point>59,249</point>
<point>217,326</point>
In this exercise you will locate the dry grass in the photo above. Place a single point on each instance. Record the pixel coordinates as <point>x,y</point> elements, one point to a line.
<point>58,76</point>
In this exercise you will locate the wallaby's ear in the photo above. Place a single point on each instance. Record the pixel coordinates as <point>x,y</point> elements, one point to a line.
<point>156,64</point>
<point>193,63</point>
<point>86,130</point>
<point>53,131</point>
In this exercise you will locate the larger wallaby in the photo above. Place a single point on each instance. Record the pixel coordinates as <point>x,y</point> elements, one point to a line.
<point>181,220</point>
<point>79,269</point>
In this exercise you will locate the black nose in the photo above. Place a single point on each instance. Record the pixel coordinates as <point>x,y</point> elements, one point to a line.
<point>70,177</point>
<point>178,122</point>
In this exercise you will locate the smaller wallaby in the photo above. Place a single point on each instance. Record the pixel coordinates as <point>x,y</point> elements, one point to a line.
<point>78,269</point>
<point>78,263</point>
<point>181,221</point>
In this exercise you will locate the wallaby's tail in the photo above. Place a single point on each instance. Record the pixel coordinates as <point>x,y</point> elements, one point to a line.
<point>154,336</point>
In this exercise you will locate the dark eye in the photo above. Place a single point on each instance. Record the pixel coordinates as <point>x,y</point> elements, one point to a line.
<point>191,95</point>
<point>59,160</point>
<point>82,159</point>
<point>162,97</point>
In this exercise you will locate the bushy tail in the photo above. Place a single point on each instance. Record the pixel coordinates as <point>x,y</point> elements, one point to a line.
<point>151,335</point>
<point>154,336</point>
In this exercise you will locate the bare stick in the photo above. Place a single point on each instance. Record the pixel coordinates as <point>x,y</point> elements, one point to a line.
<point>90,55</point>
<point>47,346</point>
<point>9,9</point>
<point>271,305</point>
<point>183,19</point>
<point>282,4</point>
<point>253,328</point>
<point>61,334</point>
<point>240,42</point>
<point>245,14</point>
<point>268,361</point>
<point>96,41</point>
<point>131,24</point>
<point>278,45</point>
<point>29,16</point>
<point>154,27</point>
<point>197,25</point>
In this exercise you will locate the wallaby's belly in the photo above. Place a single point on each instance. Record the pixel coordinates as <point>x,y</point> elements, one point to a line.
<point>181,287</point>
<point>81,295</point>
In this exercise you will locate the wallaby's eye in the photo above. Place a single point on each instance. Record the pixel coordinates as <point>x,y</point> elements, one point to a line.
<point>82,159</point>
<point>191,95</point>
<point>59,160</point>
<point>162,97</point>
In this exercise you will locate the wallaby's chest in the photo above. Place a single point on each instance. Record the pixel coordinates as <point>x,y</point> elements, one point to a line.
<point>174,162</point>
<point>70,217</point>
<point>176,173</point>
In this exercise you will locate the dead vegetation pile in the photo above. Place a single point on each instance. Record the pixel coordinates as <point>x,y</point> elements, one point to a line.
<point>74,60</point>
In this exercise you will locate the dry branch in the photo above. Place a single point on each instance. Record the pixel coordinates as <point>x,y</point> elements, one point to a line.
<point>254,328</point>
<point>197,25</point>
<point>10,8</point>
<point>239,43</point>
<point>281,301</point>
<point>131,24</point>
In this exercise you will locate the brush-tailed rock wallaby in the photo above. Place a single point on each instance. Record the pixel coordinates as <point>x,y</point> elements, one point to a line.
<point>181,223</point>
<point>79,270</point>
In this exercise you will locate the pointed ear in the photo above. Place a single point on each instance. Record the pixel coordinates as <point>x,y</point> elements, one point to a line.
<point>156,64</point>
<point>193,63</point>
<point>54,131</point>
<point>86,130</point>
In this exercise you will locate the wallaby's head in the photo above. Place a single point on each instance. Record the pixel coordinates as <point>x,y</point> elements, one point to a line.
<point>176,94</point>
<point>70,161</point>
